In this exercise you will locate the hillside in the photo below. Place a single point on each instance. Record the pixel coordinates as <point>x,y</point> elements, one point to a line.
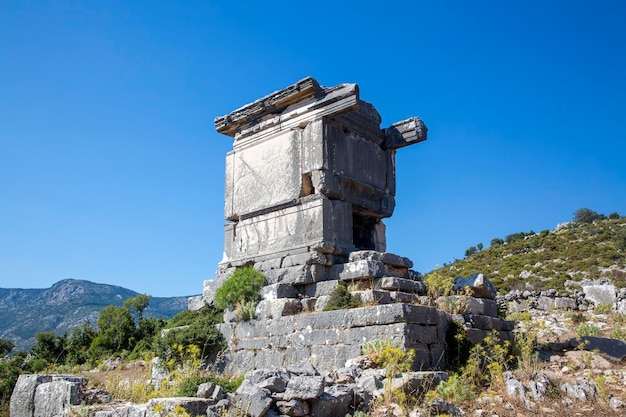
<point>68,303</point>
<point>551,259</point>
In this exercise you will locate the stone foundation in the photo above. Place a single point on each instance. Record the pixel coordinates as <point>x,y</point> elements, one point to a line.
<point>328,339</point>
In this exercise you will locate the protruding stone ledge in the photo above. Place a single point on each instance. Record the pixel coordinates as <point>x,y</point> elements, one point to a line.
<point>405,133</point>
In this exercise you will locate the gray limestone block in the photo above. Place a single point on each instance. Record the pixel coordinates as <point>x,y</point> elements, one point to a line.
<point>400,284</point>
<point>403,297</point>
<point>482,306</point>
<point>195,303</point>
<point>293,408</point>
<point>318,289</point>
<point>422,359</point>
<point>257,401</point>
<point>280,290</point>
<point>517,306</point>
<point>310,337</point>
<point>426,334</point>
<point>263,310</point>
<point>611,348</point>
<point>54,398</point>
<point>296,356</point>
<point>477,335</point>
<point>385,257</point>
<point>321,302</point>
<point>308,304</point>
<point>437,352</point>
<point>417,382</point>
<point>600,294</point>
<point>313,151</point>
<point>297,275</point>
<point>394,271</point>
<point>358,270</point>
<point>564,303</point>
<point>369,297</point>
<point>334,402</point>
<point>479,285</point>
<point>192,405</point>
<point>404,133</point>
<point>506,325</point>
<point>279,326</point>
<point>483,322</point>
<point>266,174</point>
<point>545,303</point>
<point>304,387</point>
<point>583,390</point>
<point>269,358</point>
<point>284,307</point>
<point>358,335</point>
<point>307,258</point>
<point>24,393</point>
<point>268,264</point>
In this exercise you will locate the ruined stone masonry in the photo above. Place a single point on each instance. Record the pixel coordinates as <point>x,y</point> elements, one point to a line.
<point>308,183</point>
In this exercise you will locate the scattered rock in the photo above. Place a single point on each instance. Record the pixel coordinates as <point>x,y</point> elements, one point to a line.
<point>611,348</point>
<point>479,284</point>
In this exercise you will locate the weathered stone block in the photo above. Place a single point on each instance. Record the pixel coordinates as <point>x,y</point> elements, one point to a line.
<point>280,290</point>
<point>600,293</point>
<point>318,289</point>
<point>478,284</point>
<point>385,257</point>
<point>253,399</point>
<point>373,296</point>
<point>304,387</point>
<point>293,408</point>
<point>400,284</point>
<point>358,270</point>
<point>334,402</point>
<point>403,297</point>
<point>23,395</point>
<point>545,303</point>
<point>193,406</point>
<point>55,397</point>
<point>564,303</point>
<point>482,306</point>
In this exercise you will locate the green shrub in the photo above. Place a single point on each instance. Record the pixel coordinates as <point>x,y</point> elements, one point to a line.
<point>588,329</point>
<point>246,309</point>
<point>189,387</point>
<point>455,389</point>
<point>585,215</point>
<point>603,308</point>
<point>340,299</point>
<point>200,332</point>
<point>243,285</point>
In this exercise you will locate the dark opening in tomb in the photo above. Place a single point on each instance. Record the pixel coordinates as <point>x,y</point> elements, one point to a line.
<point>364,231</point>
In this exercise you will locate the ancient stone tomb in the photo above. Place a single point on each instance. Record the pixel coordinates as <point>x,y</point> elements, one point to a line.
<point>309,179</point>
<point>308,182</point>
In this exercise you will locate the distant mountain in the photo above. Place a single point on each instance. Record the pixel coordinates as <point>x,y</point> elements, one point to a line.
<point>557,258</point>
<point>68,303</point>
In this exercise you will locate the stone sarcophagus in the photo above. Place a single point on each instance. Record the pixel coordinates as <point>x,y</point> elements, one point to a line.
<point>308,182</point>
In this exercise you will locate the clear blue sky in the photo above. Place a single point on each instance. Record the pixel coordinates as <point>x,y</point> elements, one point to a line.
<point>111,170</point>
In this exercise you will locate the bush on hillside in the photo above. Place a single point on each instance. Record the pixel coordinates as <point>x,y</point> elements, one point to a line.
<point>243,285</point>
<point>195,335</point>
<point>585,215</point>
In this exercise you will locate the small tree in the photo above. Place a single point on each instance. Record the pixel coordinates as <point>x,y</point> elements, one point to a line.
<point>614,216</point>
<point>479,246</point>
<point>496,241</point>
<point>470,251</point>
<point>585,215</point>
<point>6,346</point>
<point>243,285</point>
